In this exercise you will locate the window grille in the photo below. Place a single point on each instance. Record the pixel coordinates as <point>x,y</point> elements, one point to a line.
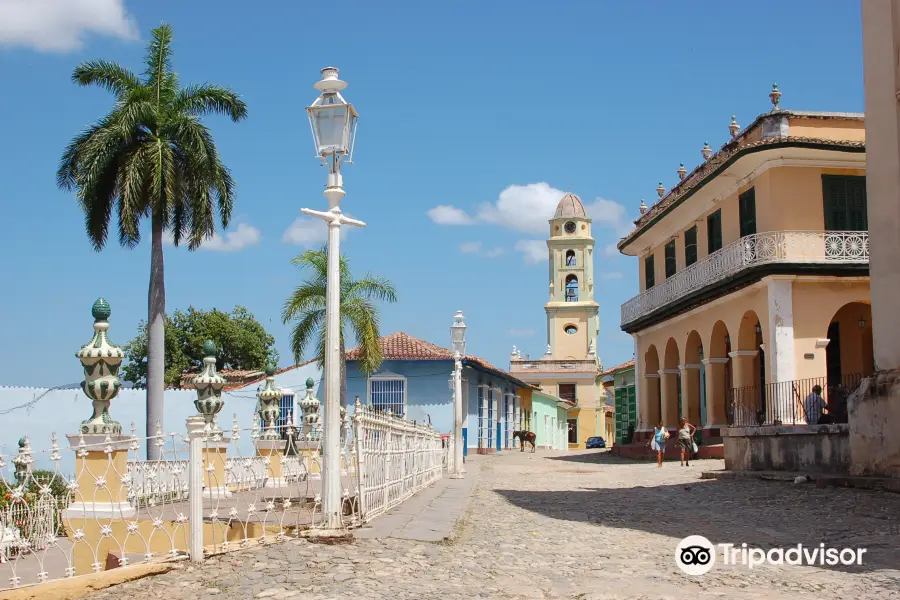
<point>388,394</point>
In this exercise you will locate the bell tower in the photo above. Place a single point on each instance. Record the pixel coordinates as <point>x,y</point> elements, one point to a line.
<point>572,320</point>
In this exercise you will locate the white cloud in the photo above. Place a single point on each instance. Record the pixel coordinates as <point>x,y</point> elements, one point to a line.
<point>242,237</point>
<point>534,251</point>
<point>61,25</point>
<point>478,248</point>
<point>527,208</point>
<point>611,275</point>
<point>449,215</point>
<point>521,332</point>
<point>310,232</point>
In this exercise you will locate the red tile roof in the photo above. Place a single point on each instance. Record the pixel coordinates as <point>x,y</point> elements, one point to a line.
<point>617,368</point>
<point>402,346</point>
<point>235,378</point>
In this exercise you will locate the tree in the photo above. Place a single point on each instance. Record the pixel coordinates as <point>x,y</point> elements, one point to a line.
<point>151,156</point>
<point>241,342</point>
<point>306,306</point>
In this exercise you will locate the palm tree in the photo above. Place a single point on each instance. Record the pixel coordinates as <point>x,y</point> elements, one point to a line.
<point>151,156</point>
<point>306,306</point>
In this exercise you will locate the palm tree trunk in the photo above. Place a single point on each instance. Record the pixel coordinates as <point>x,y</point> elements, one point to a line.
<point>156,337</point>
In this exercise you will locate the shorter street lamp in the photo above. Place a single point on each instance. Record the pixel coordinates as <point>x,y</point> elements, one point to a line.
<point>458,338</point>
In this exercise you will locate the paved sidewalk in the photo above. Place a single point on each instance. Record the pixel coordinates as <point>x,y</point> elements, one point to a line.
<point>430,515</point>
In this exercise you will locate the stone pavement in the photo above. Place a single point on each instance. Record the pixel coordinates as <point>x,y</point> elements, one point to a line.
<point>429,516</point>
<point>583,525</point>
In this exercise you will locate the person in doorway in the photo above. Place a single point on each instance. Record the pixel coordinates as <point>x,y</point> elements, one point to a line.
<point>814,406</point>
<point>686,433</point>
<point>660,435</point>
<point>631,433</point>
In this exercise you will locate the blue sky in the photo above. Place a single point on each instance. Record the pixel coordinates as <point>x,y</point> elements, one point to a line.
<point>491,108</point>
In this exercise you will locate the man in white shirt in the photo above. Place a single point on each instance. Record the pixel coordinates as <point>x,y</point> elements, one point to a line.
<point>814,406</point>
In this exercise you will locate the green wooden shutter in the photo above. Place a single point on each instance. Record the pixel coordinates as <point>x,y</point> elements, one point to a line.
<point>714,231</point>
<point>690,246</point>
<point>747,209</point>
<point>649,275</point>
<point>857,213</point>
<point>834,195</point>
<point>671,264</point>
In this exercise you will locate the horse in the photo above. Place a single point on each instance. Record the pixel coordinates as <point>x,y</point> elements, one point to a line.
<point>525,436</point>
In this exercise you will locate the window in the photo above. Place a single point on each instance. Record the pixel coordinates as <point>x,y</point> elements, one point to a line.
<point>649,275</point>
<point>690,246</point>
<point>388,392</point>
<point>567,391</point>
<point>573,431</point>
<point>492,407</point>
<point>671,265</point>
<point>714,231</point>
<point>571,288</point>
<point>747,211</point>
<point>482,416</point>
<point>570,329</point>
<point>570,258</point>
<point>845,203</point>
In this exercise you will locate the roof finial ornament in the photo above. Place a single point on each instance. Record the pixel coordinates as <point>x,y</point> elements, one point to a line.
<point>682,172</point>
<point>661,189</point>
<point>775,97</point>
<point>643,207</point>
<point>734,127</point>
<point>707,151</point>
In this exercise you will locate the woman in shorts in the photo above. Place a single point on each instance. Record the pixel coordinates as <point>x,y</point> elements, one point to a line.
<point>686,433</point>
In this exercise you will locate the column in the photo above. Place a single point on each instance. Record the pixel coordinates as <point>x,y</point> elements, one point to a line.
<point>715,392</point>
<point>781,330</point>
<point>690,392</point>
<point>668,387</point>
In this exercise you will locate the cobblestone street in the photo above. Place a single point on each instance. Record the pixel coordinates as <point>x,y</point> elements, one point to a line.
<point>577,525</point>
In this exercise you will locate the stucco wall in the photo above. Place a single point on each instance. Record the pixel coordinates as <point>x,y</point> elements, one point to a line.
<point>820,449</point>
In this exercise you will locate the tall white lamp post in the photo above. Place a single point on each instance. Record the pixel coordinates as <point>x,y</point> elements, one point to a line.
<point>458,337</point>
<point>333,122</point>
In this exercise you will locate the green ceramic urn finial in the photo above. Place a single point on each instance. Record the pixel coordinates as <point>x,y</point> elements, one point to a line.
<point>21,442</point>
<point>209,385</point>
<point>209,348</point>
<point>309,405</point>
<point>270,370</point>
<point>310,383</point>
<point>269,411</point>
<point>100,360</point>
<point>101,310</point>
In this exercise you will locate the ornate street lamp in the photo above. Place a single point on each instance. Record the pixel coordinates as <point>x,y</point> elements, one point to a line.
<point>333,123</point>
<point>458,339</point>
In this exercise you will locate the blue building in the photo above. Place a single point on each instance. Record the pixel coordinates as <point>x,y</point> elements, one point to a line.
<point>415,380</point>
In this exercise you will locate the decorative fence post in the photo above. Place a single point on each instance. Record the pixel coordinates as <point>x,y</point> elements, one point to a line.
<point>100,502</point>
<point>197,433</point>
<point>361,458</point>
<point>209,404</point>
<point>270,445</point>
<point>310,431</point>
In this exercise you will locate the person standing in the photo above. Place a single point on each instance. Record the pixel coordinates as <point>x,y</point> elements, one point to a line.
<point>686,433</point>
<point>660,435</point>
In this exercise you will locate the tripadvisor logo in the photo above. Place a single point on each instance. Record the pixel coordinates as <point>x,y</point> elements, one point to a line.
<point>696,555</point>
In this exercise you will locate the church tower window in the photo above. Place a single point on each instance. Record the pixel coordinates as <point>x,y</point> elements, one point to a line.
<point>571,288</point>
<point>570,258</point>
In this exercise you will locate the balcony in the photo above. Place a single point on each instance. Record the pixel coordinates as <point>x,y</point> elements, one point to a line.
<point>553,366</point>
<point>774,247</point>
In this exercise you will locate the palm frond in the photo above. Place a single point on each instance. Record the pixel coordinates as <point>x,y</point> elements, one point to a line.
<point>108,75</point>
<point>307,297</point>
<point>204,99</point>
<point>159,61</point>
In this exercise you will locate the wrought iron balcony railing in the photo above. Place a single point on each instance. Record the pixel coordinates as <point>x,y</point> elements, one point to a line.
<point>799,247</point>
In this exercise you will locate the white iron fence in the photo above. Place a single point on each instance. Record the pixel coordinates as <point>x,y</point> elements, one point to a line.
<point>118,509</point>
<point>397,459</point>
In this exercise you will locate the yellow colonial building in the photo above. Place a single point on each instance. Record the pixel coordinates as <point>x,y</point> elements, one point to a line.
<point>754,277</point>
<point>570,368</point>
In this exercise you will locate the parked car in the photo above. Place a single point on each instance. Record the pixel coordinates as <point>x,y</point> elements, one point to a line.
<point>595,442</point>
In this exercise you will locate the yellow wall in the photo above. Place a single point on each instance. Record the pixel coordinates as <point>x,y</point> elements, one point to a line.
<point>787,198</point>
<point>575,346</point>
<point>828,129</point>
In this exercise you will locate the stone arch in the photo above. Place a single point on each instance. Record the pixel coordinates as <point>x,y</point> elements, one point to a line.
<point>571,288</point>
<point>670,385</point>
<point>850,352</point>
<point>653,410</point>
<point>748,396</point>
<point>693,377</point>
<point>719,379</point>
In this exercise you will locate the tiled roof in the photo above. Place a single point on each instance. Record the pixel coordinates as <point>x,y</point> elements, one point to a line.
<point>617,368</point>
<point>278,372</point>
<point>569,206</point>
<point>402,346</point>
<point>708,169</point>
<point>235,378</point>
